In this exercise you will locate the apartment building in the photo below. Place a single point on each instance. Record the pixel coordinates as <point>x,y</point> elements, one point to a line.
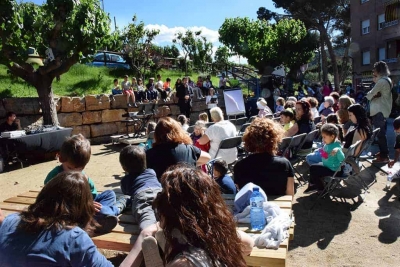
<point>375,30</point>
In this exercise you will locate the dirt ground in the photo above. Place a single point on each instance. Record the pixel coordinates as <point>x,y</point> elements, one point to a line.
<point>333,233</point>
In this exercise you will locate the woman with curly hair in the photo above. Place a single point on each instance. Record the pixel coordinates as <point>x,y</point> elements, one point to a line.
<point>304,122</point>
<point>171,146</point>
<point>262,167</point>
<point>197,227</point>
<point>54,231</point>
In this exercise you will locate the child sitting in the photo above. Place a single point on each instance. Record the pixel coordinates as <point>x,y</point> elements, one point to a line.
<point>140,183</point>
<point>198,132</point>
<point>225,182</point>
<point>263,109</point>
<point>327,107</point>
<point>74,155</point>
<point>117,89</point>
<point>280,103</point>
<point>203,117</point>
<point>151,127</point>
<point>332,157</point>
<point>287,119</point>
<point>184,122</point>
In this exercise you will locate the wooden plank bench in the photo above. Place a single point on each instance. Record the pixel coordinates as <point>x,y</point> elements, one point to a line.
<point>125,233</point>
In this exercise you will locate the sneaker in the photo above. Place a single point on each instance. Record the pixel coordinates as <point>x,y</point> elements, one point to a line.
<point>151,253</point>
<point>129,104</point>
<point>311,188</point>
<point>107,223</point>
<point>121,203</point>
<point>135,105</point>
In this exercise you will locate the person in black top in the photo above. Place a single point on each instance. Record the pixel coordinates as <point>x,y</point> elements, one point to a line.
<point>171,146</point>
<point>11,123</point>
<point>182,93</point>
<point>262,167</point>
<point>304,122</point>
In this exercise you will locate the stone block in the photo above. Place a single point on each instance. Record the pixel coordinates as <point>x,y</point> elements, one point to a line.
<point>57,100</point>
<point>70,119</point>
<point>97,130</point>
<point>199,106</point>
<point>72,104</point>
<point>91,117</point>
<point>100,140</point>
<point>174,110</point>
<point>31,120</point>
<point>162,111</point>
<point>118,101</point>
<point>23,105</point>
<point>122,127</point>
<point>97,102</point>
<point>112,115</point>
<point>83,129</point>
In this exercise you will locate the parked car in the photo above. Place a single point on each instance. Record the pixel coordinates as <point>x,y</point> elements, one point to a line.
<point>33,57</point>
<point>109,60</point>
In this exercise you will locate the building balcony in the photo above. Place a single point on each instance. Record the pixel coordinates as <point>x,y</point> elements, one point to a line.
<point>384,25</point>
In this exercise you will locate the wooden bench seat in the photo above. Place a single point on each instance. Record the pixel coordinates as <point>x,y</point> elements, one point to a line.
<point>125,233</point>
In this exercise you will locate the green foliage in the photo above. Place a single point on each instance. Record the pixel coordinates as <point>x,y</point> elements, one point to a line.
<point>138,45</point>
<point>194,47</point>
<point>221,57</point>
<point>171,51</point>
<point>268,45</point>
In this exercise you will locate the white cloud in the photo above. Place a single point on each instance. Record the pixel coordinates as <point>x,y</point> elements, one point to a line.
<point>167,34</point>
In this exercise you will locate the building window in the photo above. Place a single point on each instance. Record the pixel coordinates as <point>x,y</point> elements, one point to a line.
<point>365,26</point>
<point>381,21</point>
<point>366,55</point>
<point>382,53</point>
<point>364,1</point>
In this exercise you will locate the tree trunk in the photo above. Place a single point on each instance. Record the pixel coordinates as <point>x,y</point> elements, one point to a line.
<point>46,99</point>
<point>344,70</point>
<point>324,61</point>
<point>332,55</point>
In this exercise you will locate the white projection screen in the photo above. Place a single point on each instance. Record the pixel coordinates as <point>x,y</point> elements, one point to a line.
<point>234,102</point>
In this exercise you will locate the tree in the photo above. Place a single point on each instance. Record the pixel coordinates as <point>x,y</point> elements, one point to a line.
<point>138,45</point>
<point>203,53</point>
<point>221,57</point>
<point>318,15</point>
<point>266,45</point>
<point>187,42</point>
<point>171,51</point>
<point>70,28</point>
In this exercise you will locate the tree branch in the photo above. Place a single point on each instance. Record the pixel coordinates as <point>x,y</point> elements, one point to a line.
<point>65,66</point>
<point>19,71</point>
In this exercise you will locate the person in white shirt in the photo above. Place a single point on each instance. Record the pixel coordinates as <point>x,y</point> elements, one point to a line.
<point>381,107</point>
<point>222,81</point>
<point>217,132</point>
<point>160,87</point>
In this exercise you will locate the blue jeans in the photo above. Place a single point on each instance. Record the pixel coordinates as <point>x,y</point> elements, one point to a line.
<point>314,158</point>
<point>142,207</point>
<point>378,121</point>
<point>107,199</point>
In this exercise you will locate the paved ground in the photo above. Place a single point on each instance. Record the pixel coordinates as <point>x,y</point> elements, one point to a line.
<point>353,233</point>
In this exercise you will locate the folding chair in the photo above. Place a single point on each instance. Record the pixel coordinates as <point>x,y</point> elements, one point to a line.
<point>190,129</point>
<point>333,181</point>
<point>317,120</point>
<point>243,129</point>
<point>311,136</point>
<point>284,145</point>
<point>228,143</point>
<point>356,159</point>
<point>252,118</point>
<point>294,148</point>
<point>241,121</point>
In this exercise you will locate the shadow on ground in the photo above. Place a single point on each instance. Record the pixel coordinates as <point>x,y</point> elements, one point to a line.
<point>110,149</point>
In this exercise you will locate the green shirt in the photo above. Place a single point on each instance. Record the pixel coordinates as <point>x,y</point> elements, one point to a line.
<point>59,169</point>
<point>333,162</point>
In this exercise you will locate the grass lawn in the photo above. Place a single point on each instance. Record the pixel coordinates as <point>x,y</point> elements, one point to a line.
<point>80,80</point>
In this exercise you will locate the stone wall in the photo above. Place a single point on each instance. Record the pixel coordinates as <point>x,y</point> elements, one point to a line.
<point>97,117</point>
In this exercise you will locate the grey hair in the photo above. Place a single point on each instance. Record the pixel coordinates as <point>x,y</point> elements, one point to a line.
<point>381,68</point>
<point>216,114</point>
<point>201,124</point>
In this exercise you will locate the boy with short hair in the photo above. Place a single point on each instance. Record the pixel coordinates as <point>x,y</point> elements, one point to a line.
<point>287,119</point>
<point>75,153</point>
<point>332,157</point>
<point>225,182</point>
<point>117,89</point>
<point>140,183</point>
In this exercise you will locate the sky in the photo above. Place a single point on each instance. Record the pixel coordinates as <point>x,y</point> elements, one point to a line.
<point>172,16</point>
